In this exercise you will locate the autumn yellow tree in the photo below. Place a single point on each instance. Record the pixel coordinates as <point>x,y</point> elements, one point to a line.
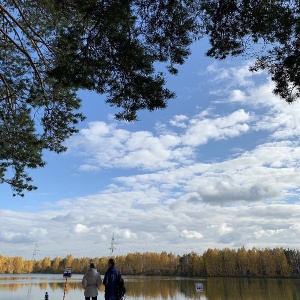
<point>2,264</point>
<point>213,262</point>
<point>229,262</point>
<point>55,265</point>
<point>18,264</point>
<point>46,265</point>
<point>282,267</point>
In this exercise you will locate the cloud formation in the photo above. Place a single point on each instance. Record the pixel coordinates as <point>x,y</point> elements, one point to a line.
<point>226,176</point>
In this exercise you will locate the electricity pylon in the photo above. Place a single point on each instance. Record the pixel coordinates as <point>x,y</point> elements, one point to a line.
<point>35,251</point>
<point>112,247</point>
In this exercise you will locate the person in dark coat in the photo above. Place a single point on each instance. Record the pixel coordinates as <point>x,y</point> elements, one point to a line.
<point>110,281</point>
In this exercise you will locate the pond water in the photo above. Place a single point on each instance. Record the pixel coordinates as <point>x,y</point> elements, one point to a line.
<point>34,287</point>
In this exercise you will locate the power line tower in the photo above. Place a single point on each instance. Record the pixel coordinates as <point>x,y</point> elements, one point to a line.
<point>112,247</point>
<point>35,251</point>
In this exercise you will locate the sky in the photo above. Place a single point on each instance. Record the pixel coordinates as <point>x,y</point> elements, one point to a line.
<point>219,167</point>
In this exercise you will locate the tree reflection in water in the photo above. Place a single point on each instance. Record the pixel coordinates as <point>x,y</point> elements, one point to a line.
<point>143,287</point>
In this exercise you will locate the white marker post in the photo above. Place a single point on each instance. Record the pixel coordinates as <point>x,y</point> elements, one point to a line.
<point>199,287</point>
<point>67,274</point>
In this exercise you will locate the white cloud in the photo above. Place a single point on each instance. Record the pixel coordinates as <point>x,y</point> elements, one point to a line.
<point>87,167</point>
<point>24,235</point>
<point>172,228</point>
<point>233,76</point>
<point>79,228</point>
<point>191,234</point>
<point>224,229</point>
<point>108,148</point>
<point>126,234</point>
<point>267,233</point>
<point>201,131</point>
<point>228,176</point>
<point>179,121</point>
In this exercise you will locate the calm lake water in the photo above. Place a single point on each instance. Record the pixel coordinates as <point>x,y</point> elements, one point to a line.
<point>33,287</point>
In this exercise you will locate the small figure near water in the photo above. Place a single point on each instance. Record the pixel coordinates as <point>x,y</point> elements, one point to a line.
<point>91,282</point>
<point>46,296</point>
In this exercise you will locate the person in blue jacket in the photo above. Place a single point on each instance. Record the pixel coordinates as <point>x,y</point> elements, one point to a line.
<point>110,281</point>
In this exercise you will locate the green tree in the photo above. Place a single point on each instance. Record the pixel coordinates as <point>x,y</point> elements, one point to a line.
<point>238,27</point>
<point>51,49</point>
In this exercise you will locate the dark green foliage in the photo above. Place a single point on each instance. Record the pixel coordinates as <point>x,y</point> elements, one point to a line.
<point>113,45</point>
<point>36,111</point>
<point>50,49</point>
<point>235,26</point>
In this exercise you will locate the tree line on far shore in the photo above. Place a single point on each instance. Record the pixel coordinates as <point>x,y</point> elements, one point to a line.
<point>276,262</point>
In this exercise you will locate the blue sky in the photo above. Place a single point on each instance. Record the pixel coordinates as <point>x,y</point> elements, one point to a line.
<point>218,168</point>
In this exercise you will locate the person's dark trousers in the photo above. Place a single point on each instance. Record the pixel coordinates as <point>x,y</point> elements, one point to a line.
<point>93,298</point>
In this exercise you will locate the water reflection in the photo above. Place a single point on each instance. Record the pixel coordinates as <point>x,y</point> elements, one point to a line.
<point>215,288</point>
<point>35,286</point>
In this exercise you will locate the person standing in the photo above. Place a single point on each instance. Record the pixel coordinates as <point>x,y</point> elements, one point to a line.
<point>91,282</point>
<point>110,281</point>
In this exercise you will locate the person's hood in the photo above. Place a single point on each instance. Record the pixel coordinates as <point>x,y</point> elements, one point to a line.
<point>91,273</point>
